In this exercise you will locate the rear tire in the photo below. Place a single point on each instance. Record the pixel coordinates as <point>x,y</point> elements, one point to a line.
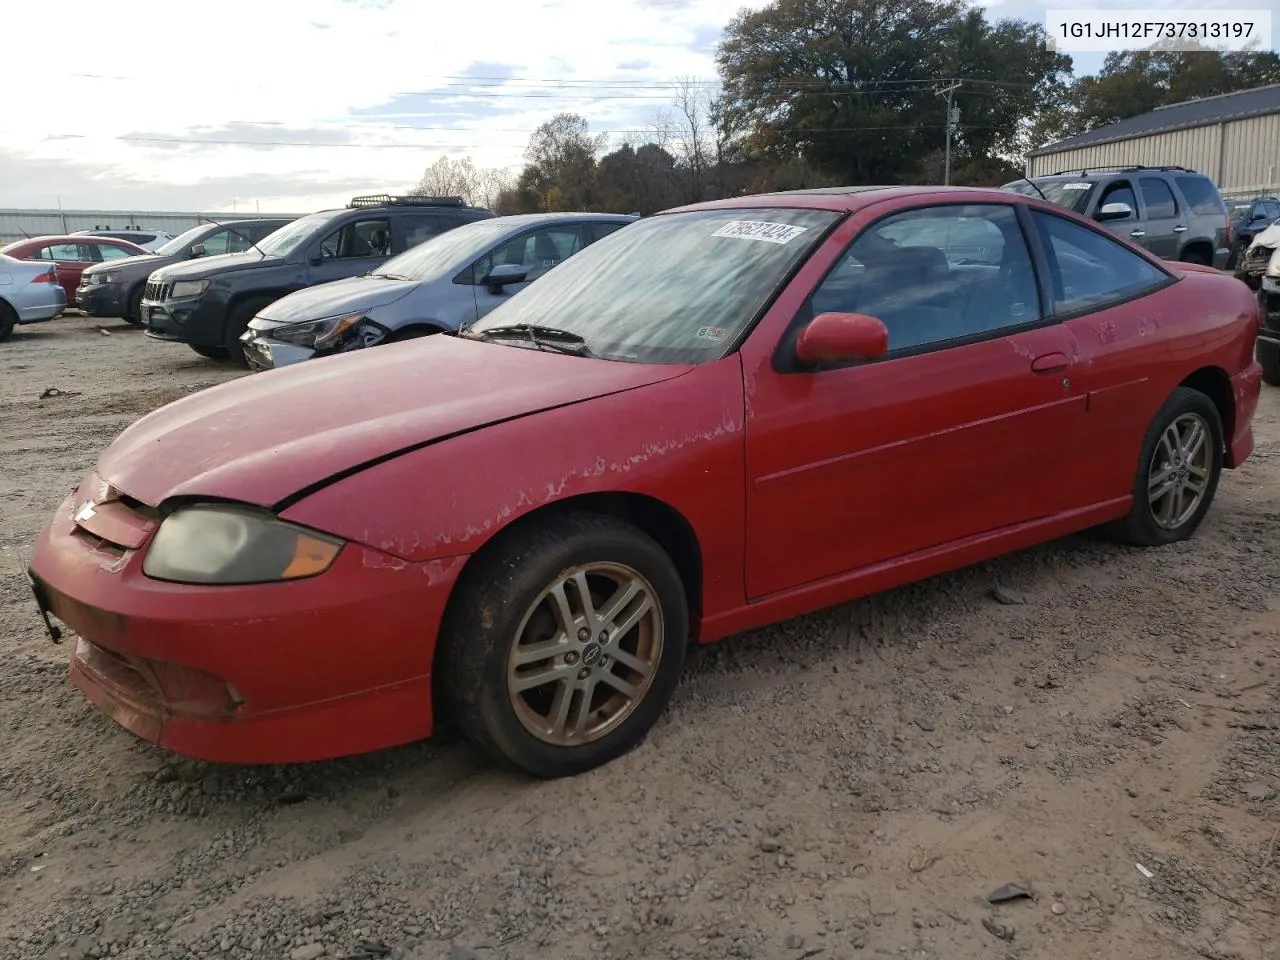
<point>1269,359</point>
<point>133,307</point>
<point>1237,254</point>
<point>8,320</point>
<point>1193,256</point>
<point>209,353</point>
<point>529,672</point>
<point>1178,471</point>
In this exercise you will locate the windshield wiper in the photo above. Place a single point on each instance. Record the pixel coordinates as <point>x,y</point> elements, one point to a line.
<point>390,276</point>
<point>553,338</point>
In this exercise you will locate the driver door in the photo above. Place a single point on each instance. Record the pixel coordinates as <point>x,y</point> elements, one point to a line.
<point>353,249</point>
<point>966,426</point>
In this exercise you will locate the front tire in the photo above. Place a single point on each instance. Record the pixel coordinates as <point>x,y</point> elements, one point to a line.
<point>1178,472</point>
<point>8,320</point>
<point>237,323</point>
<point>133,308</point>
<point>564,643</point>
<point>209,353</point>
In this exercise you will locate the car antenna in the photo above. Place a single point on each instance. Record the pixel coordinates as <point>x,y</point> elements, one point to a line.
<point>242,236</point>
<point>1036,189</point>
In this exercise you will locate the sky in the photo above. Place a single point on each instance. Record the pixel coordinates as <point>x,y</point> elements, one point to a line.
<point>294,105</point>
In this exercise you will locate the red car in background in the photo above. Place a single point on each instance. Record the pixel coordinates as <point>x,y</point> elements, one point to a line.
<point>72,255</point>
<point>716,418</point>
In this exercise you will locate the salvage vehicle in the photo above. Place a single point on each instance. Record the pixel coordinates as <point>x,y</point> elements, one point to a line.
<point>115,289</point>
<point>1248,219</point>
<point>72,255</point>
<point>439,286</point>
<point>714,419</point>
<point>207,304</point>
<point>29,293</point>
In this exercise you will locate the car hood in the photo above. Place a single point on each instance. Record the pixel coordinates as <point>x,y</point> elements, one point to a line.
<point>266,438</point>
<point>202,267</point>
<point>336,298</point>
<point>1269,238</point>
<point>139,264</point>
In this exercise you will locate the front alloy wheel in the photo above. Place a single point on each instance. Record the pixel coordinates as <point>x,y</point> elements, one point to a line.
<point>585,654</point>
<point>563,643</point>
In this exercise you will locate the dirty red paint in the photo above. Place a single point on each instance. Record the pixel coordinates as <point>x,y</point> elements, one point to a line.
<point>87,252</point>
<point>802,490</point>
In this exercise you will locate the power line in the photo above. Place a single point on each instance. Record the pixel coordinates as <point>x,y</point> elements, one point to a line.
<point>197,141</point>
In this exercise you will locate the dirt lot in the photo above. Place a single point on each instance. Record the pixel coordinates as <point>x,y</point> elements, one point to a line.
<point>850,784</point>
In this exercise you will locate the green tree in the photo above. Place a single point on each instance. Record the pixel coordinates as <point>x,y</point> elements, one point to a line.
<point>1135,82</point>
<point>560,165</point>
<point>850,85</point>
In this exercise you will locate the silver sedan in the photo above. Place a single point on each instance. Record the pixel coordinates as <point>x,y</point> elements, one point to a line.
<point>29,293</point>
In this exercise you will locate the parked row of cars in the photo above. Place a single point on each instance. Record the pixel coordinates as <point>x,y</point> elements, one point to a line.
<point>522,528</point>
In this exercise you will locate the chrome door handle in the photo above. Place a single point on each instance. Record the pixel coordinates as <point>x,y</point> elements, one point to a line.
<point>1138,233</point>
<point>1179,229</point>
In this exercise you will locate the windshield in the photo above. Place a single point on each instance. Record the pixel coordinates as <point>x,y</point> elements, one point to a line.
<point>180,242</point>
<point>291,236</point>
<point>1072,194</point>
<point>444,252</point>
<point>677,288</point>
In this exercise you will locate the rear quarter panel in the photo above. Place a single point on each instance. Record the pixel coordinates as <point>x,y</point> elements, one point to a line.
<point>679,442</point>
<point>1202,325</point>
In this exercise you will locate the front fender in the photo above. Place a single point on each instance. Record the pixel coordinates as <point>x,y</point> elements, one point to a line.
<point>680,442</point>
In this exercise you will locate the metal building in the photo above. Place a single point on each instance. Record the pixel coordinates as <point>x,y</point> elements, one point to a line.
<point>16,223</point>
<point>1233,138</point>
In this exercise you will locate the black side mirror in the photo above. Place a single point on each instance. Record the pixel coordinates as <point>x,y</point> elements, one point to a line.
<point>504,274</point>
<point>316,259</point>
<point>197,250</point>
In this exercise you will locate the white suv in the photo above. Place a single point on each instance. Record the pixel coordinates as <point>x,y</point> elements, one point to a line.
<point>149,240</point>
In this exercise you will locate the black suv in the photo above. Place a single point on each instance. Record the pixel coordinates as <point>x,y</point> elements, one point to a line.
<point>1174,212</point>
<point>208,303</point>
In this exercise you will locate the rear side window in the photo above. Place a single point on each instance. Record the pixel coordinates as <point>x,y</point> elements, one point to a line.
<point>602,228</point>
<point>1158,198</point>
<point>1202,196</point>
<point>1088,269</point>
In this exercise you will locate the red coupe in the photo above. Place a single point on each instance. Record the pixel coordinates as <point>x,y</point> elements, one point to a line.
<point>719,417</point>
<point>72,255</point>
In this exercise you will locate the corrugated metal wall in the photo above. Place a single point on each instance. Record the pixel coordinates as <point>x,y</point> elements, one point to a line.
<point>1242,157</point>
<point>16,224</point>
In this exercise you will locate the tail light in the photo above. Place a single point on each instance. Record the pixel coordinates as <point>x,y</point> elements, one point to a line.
<point>49,276</point>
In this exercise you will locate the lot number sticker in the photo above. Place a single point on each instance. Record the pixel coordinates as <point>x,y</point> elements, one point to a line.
<point>760,230</point>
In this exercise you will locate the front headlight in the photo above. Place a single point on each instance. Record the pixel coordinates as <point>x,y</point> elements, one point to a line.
<point>224,544</point>
<point>90,279</point>
<point>1273,265</point>
<point>189,288</point>
<point>111,276</point>
<point>319,334</point>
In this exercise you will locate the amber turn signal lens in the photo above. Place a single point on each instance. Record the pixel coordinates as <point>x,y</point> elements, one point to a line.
<point>310,556</point>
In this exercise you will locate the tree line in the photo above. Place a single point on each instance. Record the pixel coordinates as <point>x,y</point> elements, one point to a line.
<point>825,92</point>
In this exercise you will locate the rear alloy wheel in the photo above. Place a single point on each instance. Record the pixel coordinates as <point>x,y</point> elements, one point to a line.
<point>561,651</point>
<point>133,309</point>
<point>1177,473</point>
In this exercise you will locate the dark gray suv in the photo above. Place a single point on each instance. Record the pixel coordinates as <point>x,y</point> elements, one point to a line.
<point>1174,212</point>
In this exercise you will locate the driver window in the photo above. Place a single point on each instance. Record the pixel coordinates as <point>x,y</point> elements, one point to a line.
<point>216,244</point>
<point>537,251</point>
<point>358,239</point>
<point>1120,192</point>
<point>937,274</point>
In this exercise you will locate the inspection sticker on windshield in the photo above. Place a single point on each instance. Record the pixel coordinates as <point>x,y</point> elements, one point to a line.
<point>760,230</point>
<point>715,334</point>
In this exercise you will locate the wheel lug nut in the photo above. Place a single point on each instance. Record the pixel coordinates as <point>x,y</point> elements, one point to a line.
<point>571,658</point>
<point>604,637</point>
<point>584,673</point>
<point>584,634</point>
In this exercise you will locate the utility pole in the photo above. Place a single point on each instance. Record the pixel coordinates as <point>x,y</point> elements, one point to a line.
<point>953,121</point>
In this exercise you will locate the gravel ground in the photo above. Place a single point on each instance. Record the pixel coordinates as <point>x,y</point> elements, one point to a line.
<point>848,784</point>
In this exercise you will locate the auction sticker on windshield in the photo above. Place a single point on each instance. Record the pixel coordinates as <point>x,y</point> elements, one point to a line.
<point>760,230</point>
<point>1076,186</point>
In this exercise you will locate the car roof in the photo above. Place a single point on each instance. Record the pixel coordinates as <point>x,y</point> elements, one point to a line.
<point>844,199</point>
<point>71,238</point>
<point>533,219</point>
